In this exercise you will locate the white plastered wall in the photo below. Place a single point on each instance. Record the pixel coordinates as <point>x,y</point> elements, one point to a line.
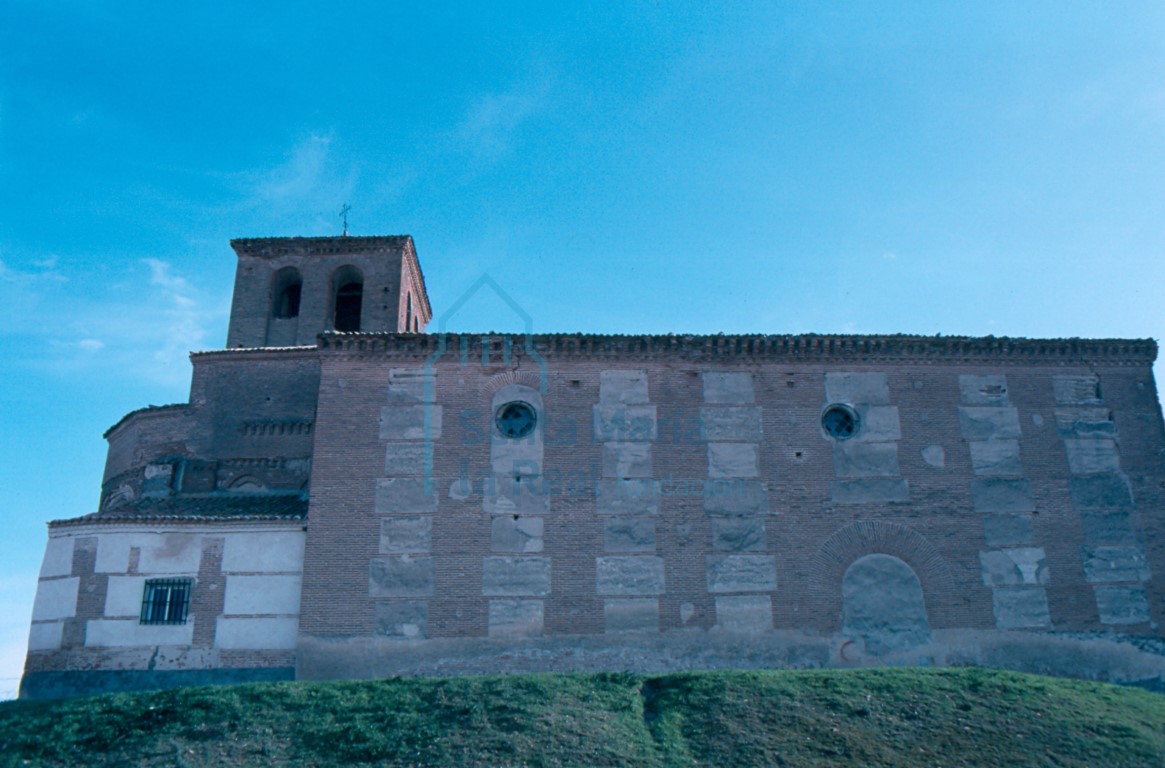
<point>261,573</point>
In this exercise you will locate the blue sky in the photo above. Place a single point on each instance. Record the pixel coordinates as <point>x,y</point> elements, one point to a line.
<point>986,168</point>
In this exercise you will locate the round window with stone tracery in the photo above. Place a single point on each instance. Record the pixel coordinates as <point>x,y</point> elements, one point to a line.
<point>516,420</point>
<point>840,422</point>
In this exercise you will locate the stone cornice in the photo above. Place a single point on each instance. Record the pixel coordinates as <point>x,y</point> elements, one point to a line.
<point>273,247</point>
<point>759,348</point>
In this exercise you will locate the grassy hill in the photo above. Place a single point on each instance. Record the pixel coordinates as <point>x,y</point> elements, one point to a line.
<point>899,717</point>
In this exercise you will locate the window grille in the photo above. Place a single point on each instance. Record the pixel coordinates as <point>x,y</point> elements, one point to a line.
<point>166,601</point>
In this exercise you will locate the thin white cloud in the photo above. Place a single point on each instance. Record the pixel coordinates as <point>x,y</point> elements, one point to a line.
<point>492,120</point>
<point>45,272</point>
<point>142,324</point>
<point>299,175</point>
<point>184,326</point>
<point>306,190</point>
<point>161,275</point>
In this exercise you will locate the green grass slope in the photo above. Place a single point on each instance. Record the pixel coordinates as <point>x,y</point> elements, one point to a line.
<point>886,717</point>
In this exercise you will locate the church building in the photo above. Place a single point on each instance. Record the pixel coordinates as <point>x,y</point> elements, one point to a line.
<point>348,494</point>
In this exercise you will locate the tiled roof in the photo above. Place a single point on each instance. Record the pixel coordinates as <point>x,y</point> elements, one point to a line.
<point>201,508</point>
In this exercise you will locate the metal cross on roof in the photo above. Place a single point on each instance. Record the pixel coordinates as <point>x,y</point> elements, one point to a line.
<point>344,216</point>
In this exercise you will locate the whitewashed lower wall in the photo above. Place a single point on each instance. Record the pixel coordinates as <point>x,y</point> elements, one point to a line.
<point>56,599</point>
<point>262,568</point>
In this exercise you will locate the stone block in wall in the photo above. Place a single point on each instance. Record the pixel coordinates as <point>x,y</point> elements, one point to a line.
<point>1000,495</point>
<point>262,633</point>
<point>1100,492</point>
<point>727,388</point>
<point>514,533</point>
<point>1085,422</point>
<point>411,385</point>
<point>1021,566</point>
<point>625,423</point>
<point>736,497</point>
<point>402,576</point>
<point>731,423</point>
<point>732,460</point>
<point>1113,564</point>
<point>738,534</point>
<point>744,614</point>
<point>113,549</point>
<point>631,615</point>
<point>990,389</point>
<point>130,633</point>
<point>626,497</point>
<point>984,423</point>
<point>1108,527</point>
<point>1122,605</point>
<point>623,387</point>
<point>46,636</point>
<point>741,573</point>
<point>1021,608</point>
<point>252,594</point>
<point>515,618</point>
<point>626,460</point>
<point>123,596</point>
<point>1092,456</point>
<point>934,455</point>
<point>508,495</point>
<point>995,457</point>
<point>516,458</point>
<point>855,388</point>
<point>1076,390</point>
<point>631,575</point>
<point>269,551</point>
<point>410,422</point>
<point>406,534</point>
<point>405,458</point>
<point>405,496</point>
<point>857,459</point>
<point>869,490</point>
<point>58,557</point>
<point>56,599</point>
<point>629,534</point>
<point>171,553</point>
<point>879,424</point>
<point>402,618</point>
<point>514,576</point>
<point>1008,530</point>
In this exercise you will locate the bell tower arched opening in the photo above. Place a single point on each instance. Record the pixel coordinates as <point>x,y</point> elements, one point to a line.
<point>348,299</point>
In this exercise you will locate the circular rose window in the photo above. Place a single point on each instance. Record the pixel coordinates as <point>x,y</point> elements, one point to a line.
<point>516,420</point>
<point>840,422</point>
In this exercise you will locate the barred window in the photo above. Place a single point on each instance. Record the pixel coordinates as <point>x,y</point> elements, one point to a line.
<point>166,601</point>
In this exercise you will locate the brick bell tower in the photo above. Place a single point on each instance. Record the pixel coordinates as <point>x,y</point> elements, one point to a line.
<point>288,290</point>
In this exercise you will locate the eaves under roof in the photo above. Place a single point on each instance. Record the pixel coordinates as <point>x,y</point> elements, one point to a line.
<point>199,509</point>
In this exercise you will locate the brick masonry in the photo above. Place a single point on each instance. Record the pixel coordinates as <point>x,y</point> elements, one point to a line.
<point>636,445</point>
<point>678,504</point>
